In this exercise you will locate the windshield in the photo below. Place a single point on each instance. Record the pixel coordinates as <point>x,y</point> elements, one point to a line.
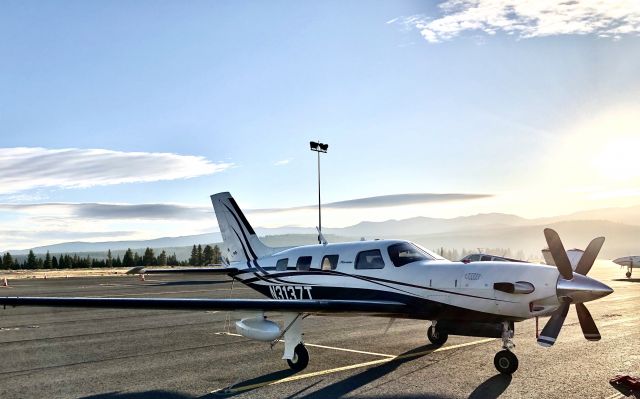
<point>428,252</point>
<point>405,252</point>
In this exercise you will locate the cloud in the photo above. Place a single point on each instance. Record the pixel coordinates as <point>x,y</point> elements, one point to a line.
<point>112,211</point>
<point>25,168</point>
<point>382,201</point>
<point>283,162</point>
<point>527,19</point>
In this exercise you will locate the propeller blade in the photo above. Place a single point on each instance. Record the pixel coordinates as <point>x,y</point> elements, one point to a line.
<point>552,328</point>
<point>559,254</point>
<point>589,328</point>
<point>589,256</point>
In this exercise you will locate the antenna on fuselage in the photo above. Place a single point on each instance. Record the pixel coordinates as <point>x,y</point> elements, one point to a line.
<point>321,238</point>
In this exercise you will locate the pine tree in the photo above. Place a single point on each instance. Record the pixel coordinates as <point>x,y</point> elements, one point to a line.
<point>47,261</point>
<point>109,263</point>
<point>207,255</point>
<point>7,261</point>
<point>172,260</point>
<point>127,260</point>
<point>200,257</point>
<point>54,262</point>
<point>193,260</point>
<point>32,262</point>
<point>162,258</point>
<point>149,258</point>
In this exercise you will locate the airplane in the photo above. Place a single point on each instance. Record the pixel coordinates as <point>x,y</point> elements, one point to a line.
<point>382,278</point>
<point>629,262</point>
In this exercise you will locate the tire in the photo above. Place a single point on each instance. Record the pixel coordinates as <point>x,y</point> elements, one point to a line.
<point>436,336</point>
<point>628,274</point>
<point>300,358</point>
<point>506,362</point>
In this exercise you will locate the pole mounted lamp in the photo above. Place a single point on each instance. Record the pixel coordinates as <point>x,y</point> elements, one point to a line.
<point>319,148</point>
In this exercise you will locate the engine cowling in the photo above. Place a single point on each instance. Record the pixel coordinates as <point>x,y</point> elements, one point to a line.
<point>258,328</point>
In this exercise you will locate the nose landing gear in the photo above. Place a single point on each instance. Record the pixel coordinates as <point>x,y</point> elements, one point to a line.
<point>506,361</point>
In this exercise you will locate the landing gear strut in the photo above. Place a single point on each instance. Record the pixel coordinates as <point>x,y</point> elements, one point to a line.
<point>436,335</point>
<point>628,274</point>
<point>300,358</point>
<point>505,361</point>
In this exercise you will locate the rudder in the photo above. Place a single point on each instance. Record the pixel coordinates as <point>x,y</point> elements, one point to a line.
<point>241,244</point>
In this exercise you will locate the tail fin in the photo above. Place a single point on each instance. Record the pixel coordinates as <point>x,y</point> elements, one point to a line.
<point>241,244</point>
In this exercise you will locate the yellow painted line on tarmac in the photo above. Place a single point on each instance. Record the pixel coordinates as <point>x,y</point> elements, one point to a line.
<point>325,347</point>
<point>231,390</point>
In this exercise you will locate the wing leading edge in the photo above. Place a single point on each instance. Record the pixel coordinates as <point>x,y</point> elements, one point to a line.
<point>300,306</point>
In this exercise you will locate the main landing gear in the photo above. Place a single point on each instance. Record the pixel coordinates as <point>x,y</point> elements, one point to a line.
<point>436,335</point>
<point>300,358</point>
<point>505,361</point>
<point>628,274</point>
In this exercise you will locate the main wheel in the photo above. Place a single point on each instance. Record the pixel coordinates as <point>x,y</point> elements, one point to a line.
<point>300,358</point>
<point>506,362</point>
<point>436,336</point>
<point>628,274</point>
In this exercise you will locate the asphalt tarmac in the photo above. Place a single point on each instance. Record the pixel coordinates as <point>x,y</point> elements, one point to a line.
<point>117,354</point>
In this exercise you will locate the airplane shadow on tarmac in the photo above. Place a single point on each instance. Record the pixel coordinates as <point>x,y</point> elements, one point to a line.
<point>492,388</point>
<point>629,280</point>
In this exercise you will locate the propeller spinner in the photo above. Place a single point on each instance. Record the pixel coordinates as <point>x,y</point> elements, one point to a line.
<point>573,287</point>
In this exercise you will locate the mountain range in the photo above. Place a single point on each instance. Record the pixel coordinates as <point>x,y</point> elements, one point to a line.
<point>621,227</point>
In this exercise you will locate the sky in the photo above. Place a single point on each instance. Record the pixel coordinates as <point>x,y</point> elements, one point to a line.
<point>119,119</point>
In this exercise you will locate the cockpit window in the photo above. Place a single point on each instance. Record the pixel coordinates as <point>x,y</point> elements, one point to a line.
<point>405,252</point>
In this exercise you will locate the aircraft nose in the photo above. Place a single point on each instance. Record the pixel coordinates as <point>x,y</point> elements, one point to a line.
<point>581,289</point>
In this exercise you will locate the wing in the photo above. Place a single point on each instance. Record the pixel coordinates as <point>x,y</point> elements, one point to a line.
<point>187,270</point>
<point>316,306</point>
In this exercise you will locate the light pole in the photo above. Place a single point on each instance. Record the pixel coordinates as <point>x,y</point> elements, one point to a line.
<point>319,147</point>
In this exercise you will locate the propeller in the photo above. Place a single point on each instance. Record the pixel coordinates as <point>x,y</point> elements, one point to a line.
<point>573,287</point>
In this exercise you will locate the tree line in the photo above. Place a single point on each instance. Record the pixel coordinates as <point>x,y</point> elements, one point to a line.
<point>199,256</point>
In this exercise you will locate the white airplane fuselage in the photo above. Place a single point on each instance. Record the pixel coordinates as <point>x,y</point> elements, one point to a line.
<point>436,289</point>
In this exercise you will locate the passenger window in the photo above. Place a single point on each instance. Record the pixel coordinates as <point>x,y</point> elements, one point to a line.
<point>304,263</point>
<point>485,258</point>
<point>282,264</point>
<point>474,258</point>
<point>369,260</point>
<point>329,262</point>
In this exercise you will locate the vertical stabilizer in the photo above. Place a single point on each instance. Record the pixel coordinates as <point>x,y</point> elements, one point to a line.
<point>241,244</point>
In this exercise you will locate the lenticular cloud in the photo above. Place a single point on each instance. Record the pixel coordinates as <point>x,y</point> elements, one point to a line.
<point>24,168</point>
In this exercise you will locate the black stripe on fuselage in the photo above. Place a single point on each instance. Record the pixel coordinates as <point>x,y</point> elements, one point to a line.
<point>374,280</point>
<point>418,308</point>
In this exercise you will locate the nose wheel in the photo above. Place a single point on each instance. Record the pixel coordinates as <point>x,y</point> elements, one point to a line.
<point>506,362</point>
<point>300,358</point>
